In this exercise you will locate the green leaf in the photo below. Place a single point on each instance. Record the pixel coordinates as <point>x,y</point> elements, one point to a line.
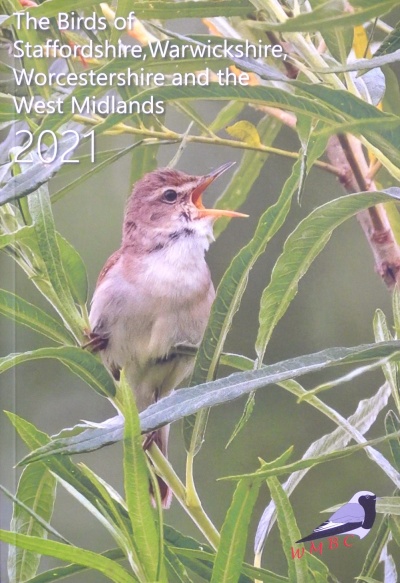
<point>136,483</point>
<point>60,466</point>
<point>7,108</point>
<point>201,561</point>
<point>288,529</point>
<point>176,570</point>
<point>388,505</point>
<point>382,334</point>
<point>364,64</point>
<point>331,14</point>
<point>74,269</point>
<point>36,489</point>
<point>190,400</point>
<point>124,7</point>
<point>37,174</point>
<point>247,412</point>
<point>232,547</point>
<point>339,42</point>
<point>26,314</point>
<point>32,36</point>
<point>80,362</point>
<point>63,572</point>
<point>21,234</point>
<point>390,44</point>
<point>228,298</point>
<point>313,100</point>
<point>43,222</point>
<point>159,9</point>
<point>273,469</point>
<point>69,553</point>
<point>300,250</point>
<point>374,552</point>
<point>392,424</point>
<point>394,525</point>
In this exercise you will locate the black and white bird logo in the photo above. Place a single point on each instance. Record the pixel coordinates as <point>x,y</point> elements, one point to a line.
<point>355,517</point>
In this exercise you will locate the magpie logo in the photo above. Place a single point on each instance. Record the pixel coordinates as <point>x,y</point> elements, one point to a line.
<point>354,518</point>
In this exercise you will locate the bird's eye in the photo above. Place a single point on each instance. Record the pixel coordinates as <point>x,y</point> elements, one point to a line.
<point>170,196</point>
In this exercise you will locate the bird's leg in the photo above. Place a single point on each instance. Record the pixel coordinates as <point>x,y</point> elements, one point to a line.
<point>95,342</point>
<point>149,439</point>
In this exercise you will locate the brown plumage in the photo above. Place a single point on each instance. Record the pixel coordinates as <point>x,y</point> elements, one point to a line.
<point>155,292</point>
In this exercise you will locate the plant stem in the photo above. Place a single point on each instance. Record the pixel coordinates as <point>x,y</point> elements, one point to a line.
<point>196,513</point>
<point>214,141</point>
<point>346,152</point>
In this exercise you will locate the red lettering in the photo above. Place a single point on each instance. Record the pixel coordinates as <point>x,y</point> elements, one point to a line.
<point>333,542</point>
<point>297,553</point>
<point>346,544</point>
<point>314,549</point>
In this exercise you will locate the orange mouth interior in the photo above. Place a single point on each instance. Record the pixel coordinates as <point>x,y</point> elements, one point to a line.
<point>205,183</point>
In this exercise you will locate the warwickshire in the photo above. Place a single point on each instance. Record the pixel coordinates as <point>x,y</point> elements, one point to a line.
<point>158,49</point>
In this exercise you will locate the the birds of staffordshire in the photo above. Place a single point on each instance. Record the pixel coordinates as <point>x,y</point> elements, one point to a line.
<point>155,292</point>
<point>356,517</point>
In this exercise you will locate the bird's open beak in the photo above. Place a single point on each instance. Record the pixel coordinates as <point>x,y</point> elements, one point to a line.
<point>201,187</point>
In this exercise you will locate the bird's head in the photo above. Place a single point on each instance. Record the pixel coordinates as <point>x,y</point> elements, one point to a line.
<point>169,200</point>
<point>364,497</point>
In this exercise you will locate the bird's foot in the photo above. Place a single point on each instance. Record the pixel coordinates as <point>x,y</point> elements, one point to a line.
<point>150,438</point>
<point>95,342</point>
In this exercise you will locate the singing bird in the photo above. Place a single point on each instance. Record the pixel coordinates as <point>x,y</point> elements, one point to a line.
<point>155,292</point>
<point>356,517</point>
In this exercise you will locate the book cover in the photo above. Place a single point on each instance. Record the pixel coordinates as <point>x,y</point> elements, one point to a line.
<point>199,307</point>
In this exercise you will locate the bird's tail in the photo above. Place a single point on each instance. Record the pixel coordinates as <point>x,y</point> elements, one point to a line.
<point>160,437</point>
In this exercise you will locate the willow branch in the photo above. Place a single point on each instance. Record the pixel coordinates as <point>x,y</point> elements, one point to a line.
<point>122,128</point>
<point>346,152</point>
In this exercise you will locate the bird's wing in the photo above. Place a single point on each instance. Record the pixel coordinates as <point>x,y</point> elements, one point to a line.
<point>111,261</point>
<point>349,513</point>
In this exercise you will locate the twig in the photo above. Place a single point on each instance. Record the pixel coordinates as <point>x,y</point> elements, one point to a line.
<point>122,128</point>
<point>346,152</point>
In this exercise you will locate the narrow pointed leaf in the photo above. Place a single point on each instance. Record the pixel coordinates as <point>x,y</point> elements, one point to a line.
<point>232,547</point>
<point>273,469</point>
<point>75,270</point>
<point>297,570</point>
<point>136,482</point>
<point>37,174</point>
<point>43,221</point>
<point>392,424</point>
<point>374,552</point>
<point>36,489</point>
<point>247,173</point>
<point>159,9</point>
<point>22,234</point>
<point>79,361</point>
<point>229,295</point>
<point>300,250</point>
<point>190,400</point>
<point>332,14</point>
<point>26,314</point>
<point>69,553</point>
<point>60,573</point>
